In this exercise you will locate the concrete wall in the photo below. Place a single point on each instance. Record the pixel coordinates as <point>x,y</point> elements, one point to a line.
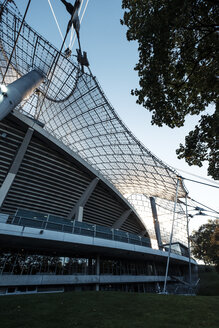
<point>37,280</point>
<point>53,239</point>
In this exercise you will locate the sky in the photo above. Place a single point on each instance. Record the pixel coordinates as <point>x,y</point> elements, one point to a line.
<point>112,60</point>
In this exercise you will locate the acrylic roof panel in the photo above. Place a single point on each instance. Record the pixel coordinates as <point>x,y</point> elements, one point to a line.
<point>74,108</point>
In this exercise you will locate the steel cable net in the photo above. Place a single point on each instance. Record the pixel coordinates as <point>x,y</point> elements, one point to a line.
<point>75,110</point>
<point>164,207</point>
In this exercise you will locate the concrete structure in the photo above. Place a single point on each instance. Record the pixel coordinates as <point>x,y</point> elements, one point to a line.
<point>81,199</point>
<point>43,234</point>
<point>15,92</point>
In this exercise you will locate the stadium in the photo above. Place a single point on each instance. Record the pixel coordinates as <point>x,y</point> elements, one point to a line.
<point>83,204</point>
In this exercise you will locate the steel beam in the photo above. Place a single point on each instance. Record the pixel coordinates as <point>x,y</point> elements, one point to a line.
<point>12,94</point>
<point>122,219</point>
<point>5,187</point>
<point>78,208</point>
<point>156,222</point>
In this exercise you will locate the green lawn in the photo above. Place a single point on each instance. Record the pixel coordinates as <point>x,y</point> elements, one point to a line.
<point>108,310</point>
<point>209,283</point>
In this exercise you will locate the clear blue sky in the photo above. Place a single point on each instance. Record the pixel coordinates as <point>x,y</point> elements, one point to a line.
<point>112,59</point>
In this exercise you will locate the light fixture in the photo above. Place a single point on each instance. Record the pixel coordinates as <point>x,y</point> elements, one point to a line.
<point>3,88</point>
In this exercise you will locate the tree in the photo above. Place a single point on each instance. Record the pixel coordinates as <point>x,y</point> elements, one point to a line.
<point>205,245</point>
<point>215,241</point>
<point>178,69</point>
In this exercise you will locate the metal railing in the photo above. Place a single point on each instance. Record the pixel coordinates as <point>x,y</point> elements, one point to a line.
<point>81,228</point>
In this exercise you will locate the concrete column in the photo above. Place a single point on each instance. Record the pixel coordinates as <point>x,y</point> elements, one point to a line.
<point>77,210</point>
<point>122,219</point>
<point>156,222</point>
<point>79,214</point>
<point>98,271</point>
<point>15,166</point>
<point>90,266</point>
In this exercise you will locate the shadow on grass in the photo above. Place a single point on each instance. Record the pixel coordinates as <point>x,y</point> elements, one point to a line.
<point>209,282</point>
<point>108,310</point>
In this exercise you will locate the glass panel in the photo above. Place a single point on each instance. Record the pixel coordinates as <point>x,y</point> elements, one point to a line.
<point>31,223</point>
<point>31,214</point>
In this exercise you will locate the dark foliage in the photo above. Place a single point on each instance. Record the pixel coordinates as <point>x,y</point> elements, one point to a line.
<point>178,69</point>
<point>205,243</point>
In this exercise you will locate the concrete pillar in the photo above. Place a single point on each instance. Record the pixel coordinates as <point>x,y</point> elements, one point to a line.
<point>122,219</point>
<point>156,222</point>
<point>79,214</point>
<point>77,210</point>
<point>98,271</point>
<point>90,266</point>
<point>5,187</point>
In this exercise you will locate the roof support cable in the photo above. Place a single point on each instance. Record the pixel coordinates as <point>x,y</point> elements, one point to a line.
<point>72,29</point>
<point>60,32</point>
<point>4,3</point>
<point>9,61</point>
<point>189,248</point>
<point>171,237</point>
<point>197,176</point>
<point>203,205</point>
<point>194,208</point>
<point>53,67</point>
<point>2,7</point>
<point>52,70</point>
<point>206,184</point>
<point>72,40</point>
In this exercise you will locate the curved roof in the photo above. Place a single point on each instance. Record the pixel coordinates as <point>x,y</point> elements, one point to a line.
<point>75,110</point>
<point>53,179</point>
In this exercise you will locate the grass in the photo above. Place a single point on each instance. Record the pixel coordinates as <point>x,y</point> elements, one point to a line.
<point>209,283</point>
<point>108,310</point>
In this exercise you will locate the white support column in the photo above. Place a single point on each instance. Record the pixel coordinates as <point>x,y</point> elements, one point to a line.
<point>171,237</point>
<point>5,187</point>
<point>77,210</point>
<point>12,94</point>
